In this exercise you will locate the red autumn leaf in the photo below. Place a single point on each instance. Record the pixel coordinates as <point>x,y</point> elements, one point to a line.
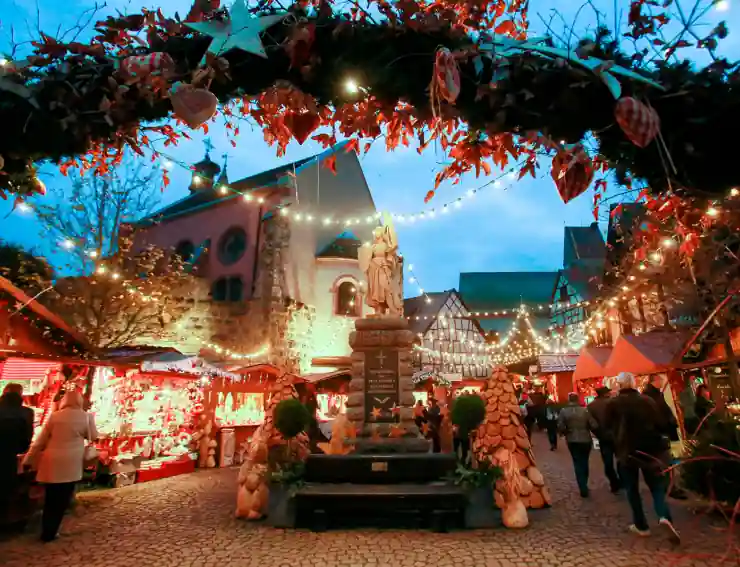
<point>331,163</point>
<point>506,27</point>
<point>429,196</point>
<point>353,145</point>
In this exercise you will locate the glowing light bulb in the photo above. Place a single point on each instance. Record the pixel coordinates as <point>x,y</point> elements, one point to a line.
<point>655,256</point>
<point>68,244</point>
<point>351,86</point>
<point>283,211</point>
<point>167,164</point>
<point>260,200</point>
<point>3,62</point>
<point>669,243</point>
<point>115,275</point>
<point>93,253</point>
<point>722,5</point>
<point>197,179</point>
<point>734,192</point>
<point>712,211</point>
<point>100,270</point>
<point>223,189</point>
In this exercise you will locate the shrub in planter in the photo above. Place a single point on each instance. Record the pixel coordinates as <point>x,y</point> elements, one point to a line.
<point>468,412</point>
<point>712,466</point>
<point>291,418</point>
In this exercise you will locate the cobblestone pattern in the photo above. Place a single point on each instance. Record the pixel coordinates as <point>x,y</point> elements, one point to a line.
<point>189,521</point>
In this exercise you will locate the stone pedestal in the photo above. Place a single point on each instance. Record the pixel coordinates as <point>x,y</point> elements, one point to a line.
<point>381,401</point>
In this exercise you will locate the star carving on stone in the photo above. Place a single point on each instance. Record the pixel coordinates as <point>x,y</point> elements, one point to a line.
<point>376,413</point>
<point>240,31</point>
<point>397,431</point>
<point>375,435</point>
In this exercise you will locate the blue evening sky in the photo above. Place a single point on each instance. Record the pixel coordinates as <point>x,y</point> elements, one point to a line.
<point>516,226</point>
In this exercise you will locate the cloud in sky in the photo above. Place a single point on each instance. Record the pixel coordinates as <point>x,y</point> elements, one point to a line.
<point>517,228</point>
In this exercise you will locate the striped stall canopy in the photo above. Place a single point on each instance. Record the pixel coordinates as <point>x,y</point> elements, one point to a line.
<point>24,370</point>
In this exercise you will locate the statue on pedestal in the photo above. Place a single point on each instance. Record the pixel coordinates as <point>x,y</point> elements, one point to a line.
<point>382,266</point>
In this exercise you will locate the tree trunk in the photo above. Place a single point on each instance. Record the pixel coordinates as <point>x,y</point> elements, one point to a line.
<point>731,358</point>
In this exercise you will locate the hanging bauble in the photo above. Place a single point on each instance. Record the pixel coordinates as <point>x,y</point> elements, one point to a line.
<point>193,106</point>
<point>446,80</point>
<point>639,122</point>
<point>138,67</point>
<point>302,124</point>
<point>572,171</point>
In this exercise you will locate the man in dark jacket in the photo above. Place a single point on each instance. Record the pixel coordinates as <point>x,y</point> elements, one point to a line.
<point>16,432</point>
<point>638,427</point>
<point>597,411</point>
<point>575,424</point>
<point>654,391</point>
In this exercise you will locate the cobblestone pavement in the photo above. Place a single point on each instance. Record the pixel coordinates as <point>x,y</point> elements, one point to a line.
<point>188,521</point>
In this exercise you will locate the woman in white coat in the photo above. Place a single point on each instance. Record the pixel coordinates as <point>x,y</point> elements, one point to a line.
<point>58,456</point>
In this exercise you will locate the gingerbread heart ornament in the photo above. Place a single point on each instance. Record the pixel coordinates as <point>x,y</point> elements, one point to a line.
<point>639,122</point>
<point>302,124</point>
<point>193,106</point>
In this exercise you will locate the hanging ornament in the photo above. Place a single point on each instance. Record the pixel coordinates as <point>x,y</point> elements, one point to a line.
<point>639,122</point>
<point>240,31</point>
<point>572,171</point>
<point>446,79</point>
<point>193,106</point>
<point>138,67</point>
<point>301,124</point>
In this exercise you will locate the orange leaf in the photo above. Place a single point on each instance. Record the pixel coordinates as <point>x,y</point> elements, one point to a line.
<point>331,163</point>
<point>506,27</point>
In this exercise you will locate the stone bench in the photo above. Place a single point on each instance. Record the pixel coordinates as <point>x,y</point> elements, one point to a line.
<point>341,489</point>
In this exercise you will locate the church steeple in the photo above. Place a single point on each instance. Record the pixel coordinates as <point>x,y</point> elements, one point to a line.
<point>205,171</point>
<point>223,179</point>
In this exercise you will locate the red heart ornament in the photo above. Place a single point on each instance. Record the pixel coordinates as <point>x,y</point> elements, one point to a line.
<point>302,124</point>
<point>193,106</point>
<point>572,172</point>
<point>639,122</point>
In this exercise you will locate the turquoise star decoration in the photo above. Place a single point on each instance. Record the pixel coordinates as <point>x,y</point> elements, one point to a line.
<point>240,31</point>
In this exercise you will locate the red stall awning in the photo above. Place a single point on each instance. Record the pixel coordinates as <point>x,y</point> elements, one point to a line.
<point>24,369</point>
<point>591,362</point>
<point>648,353</point>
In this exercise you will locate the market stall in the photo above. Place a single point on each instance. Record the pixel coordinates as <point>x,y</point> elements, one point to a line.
<point>589,372</point>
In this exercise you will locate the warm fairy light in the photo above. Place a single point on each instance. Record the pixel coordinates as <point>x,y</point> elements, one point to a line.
<point>351,86</point>
<point>261,200</point>
<point>196,179</point>
<point>100,270</point>
<point>3,62</point>
<point>669,243</point>
<point>722,5</point>
<point>643,267</point>
<point>223,189</point>
<point>115,275</point>
<point>68,244</point>
<point>24,207</point>
<point>712,211</point>
<point>655,256</point>
<point>168,165</point>
<point>632,278</point>
<point>625,288</point>
<point>734,192</point>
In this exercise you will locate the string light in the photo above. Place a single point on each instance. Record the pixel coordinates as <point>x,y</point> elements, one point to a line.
<point>24,207</point>
<point>415,280</point>
<point>712,211</point>
<point>262,351</point>
<point>722,5</point>
<point>351,86</point>
<point>68,244</point>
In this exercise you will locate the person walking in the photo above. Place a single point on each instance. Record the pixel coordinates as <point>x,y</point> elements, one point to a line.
<point>16,432</point>
<point>551,425</point>
<point>654,391</point>
<point>59,453</point>
<point>638,427</point>
<point>575,424</point>
<point>597,411</point>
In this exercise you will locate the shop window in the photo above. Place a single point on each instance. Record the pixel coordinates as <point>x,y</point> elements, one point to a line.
<point>228,289</point>
<point>232,245</point>
<point>347,303</point>
<point>185,250</point>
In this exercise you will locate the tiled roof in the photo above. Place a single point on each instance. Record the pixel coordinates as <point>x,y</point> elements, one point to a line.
<point>211,196</point>
<point>583,243</point>
<point>345,245</point>
<point>414,307</point>
<point>491,291</point>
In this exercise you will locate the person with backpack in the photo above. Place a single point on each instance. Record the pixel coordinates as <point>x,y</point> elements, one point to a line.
<point>597,410</point>
<point>637,426</point>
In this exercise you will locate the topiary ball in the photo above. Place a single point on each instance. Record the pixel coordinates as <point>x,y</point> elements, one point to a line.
<point>468,412</point>
<point>291,417</point>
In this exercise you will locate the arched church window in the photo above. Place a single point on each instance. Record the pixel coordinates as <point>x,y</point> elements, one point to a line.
<point>347,299</point>
<point>232,245</point>
<point>185,250</point>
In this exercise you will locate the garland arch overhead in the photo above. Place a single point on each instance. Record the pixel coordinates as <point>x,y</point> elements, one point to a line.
<point>418,71</point>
